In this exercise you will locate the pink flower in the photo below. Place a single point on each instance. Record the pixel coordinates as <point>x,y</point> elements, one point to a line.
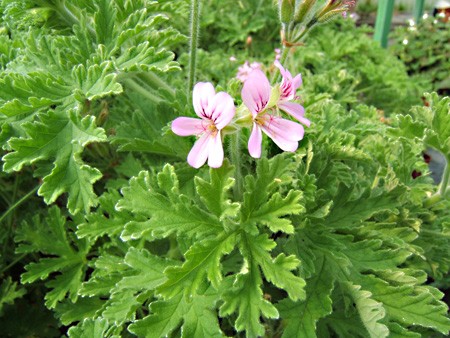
<point>288,90</point>
<point>285,133</point>
<point>215,112</point>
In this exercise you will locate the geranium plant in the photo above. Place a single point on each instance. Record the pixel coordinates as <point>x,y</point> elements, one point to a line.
<point>142,199</point>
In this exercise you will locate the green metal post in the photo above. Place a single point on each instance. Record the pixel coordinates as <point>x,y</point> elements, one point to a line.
<point>383,23</point>
<point>418,10</point>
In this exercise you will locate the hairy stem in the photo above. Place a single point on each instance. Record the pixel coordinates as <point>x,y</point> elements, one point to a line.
<point>195,25</point>
<point>235,155</point>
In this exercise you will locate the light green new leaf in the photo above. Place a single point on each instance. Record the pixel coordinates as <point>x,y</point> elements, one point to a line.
<point>202,260</point>
<point>214,193</point>
<point>301,317</point>
<point>49,237</point>
<point>242,294</point>
<point>370,311</point>
<point>199,319</point>
<point>60,138</point>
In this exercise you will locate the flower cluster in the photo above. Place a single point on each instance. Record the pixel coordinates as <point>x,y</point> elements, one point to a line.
<point>263,104</point>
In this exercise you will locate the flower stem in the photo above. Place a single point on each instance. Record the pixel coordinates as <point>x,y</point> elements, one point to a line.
<point>195,25</point>
<point>235,155</point>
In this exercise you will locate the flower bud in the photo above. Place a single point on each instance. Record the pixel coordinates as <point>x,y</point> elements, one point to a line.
<point>287,8</point>
<point>303,10</point>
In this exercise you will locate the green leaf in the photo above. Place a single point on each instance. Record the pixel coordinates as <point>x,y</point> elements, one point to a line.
<point>438,134</point>
<point>347,213</point>
<point>89,328</point>
<point>104,19</point>
<point>148,270</point>
<point>410,305</point>
<point>199,319</point>
<point>202,260</point>
<point>214,194</point>
<point>154,199</point>
<point>260,206</point>
<point>276,270</point>
<point>26,93</point>
<point>9,291</point>
<point>60,138</point>
<point>242,294</point>
<point>49,237</point>
<point>270,213</point>
<point>369,310</point>
<point>96,81</point>
<point>106,221</point>
<point>301,317</point>
<point>84,308</point>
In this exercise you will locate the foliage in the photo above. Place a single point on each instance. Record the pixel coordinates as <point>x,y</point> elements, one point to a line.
<point>125,239</point>
<point>425,51</point>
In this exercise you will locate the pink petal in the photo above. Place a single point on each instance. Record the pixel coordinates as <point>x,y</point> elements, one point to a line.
<point>296,111</point>
<point>201,95</point>
<point>256,91</point>
<point>283,71</point>
<point>297,81</point>
<point>186,126</point>
<point>284,133</point>
<point>254,142</point>
<point>199,152</point>
<point>221,109</point>
<point>215,151</point>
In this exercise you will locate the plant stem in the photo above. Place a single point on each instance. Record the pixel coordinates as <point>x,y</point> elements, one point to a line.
<point>70,18</point>
<point>155,81</point>
<point>138,88</point>
<point>235,154</point>
<point>445,179</point>
<point>19,202</point>
<point>14,262</point>
<point>195,26</point>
